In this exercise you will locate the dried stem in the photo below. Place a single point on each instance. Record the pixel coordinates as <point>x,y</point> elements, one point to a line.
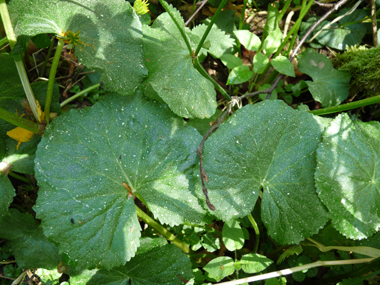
<point>374,23</point>
<point>312,28</point>
<point>196,12</point>
<point>200,151</point>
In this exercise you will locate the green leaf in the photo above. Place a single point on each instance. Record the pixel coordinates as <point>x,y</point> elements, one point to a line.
<point>111,31</point>
<point>7,192</point>
<point>260,61</point>
<point>162,265</point>
<point>41,40</point>
<point>171,71</point>
<point>347,176</point>
<point>231,61</point>
<point>272,147</point>
<point>297,88</point>
<point>29,245</point>
<point>233,237</point>
<point>254,263</point>
<point>248,39</point>
<point>220,41</point>
<point>210,242</point>
<point>340,37</point>
<point>272,41</point>
<point>48,276</point>
<point>283,65</point>
<point>329,86</point>
<point>21,45</point>
<point>272,281</point>
<point>263,96</point>
<point>147,244</point>
<point>129,140</point>
<point>239,74</point>
<point>220,267</point>
<point>305,26</point>
<point>271,23</point>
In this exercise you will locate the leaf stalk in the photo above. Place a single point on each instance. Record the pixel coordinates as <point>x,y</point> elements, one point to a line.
<point>181,30</point>
<point>53,72</point>
<point>168,235</point>
<point>348,106</point>
<point>18,59</point>
<point>20,122</point>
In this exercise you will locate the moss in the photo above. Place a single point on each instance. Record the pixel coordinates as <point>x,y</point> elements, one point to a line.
<point>364,66</point>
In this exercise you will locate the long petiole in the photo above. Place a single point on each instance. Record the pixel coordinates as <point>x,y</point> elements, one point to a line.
<point>348,106</point>
<point>20,122</point>
<point>168,235</point>
<point>257,232</point>
<point>89,89</point>
<point>18,59</point>
<point>178,24</point>
<point>53,71</point>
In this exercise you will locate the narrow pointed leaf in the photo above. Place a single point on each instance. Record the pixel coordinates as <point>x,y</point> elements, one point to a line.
<point>120,145</point>
<point>171,71</point>
<point>110,29</point>
<point>248,39</point>
<point>347,176</point>
<point>272,147</point>
<point>272,41</point>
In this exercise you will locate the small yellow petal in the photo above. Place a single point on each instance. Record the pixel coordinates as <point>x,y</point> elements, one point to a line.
<point>20,134</point>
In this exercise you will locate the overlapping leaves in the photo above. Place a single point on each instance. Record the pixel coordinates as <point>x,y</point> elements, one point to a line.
<point>110,30</point>
<point>348,177</point>
<point>85,157</point>
<point>163,264</point>
<point>171,72</point>
<point>11,99</point>
<point>267,146</point>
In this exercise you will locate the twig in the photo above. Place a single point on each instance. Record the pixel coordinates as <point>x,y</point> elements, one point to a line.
<point>326,5</point>
<point>336,20</point>
<point>374,23</point>
<point>196,12</point>
<point>295,269</point>
<point>312,28</point>
<point>200,151</point>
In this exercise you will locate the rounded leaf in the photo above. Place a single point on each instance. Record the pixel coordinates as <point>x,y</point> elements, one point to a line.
<point>91,162</point>
<point>271,147</point>
<point>347,176</point>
